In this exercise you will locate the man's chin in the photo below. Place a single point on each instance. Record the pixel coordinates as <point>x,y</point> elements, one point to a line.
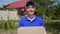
<point>31,14</point>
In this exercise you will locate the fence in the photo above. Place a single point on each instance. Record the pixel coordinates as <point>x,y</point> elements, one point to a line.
<point>8,22</point>
<point>12,15</point>
<point>8,26</point>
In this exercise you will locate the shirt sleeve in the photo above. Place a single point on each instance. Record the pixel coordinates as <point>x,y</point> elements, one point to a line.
<point>42,22</point>
<point>20,23</point>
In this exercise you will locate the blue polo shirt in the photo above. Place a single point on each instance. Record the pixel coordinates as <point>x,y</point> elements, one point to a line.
<point>24,22</point>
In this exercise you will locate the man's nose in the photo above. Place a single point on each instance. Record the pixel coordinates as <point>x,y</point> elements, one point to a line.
<point>30,8</point>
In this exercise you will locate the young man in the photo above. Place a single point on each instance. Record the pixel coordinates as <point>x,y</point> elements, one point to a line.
<point>31,19</point>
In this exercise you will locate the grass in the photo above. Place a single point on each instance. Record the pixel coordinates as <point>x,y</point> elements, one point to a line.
<point>8,31</point>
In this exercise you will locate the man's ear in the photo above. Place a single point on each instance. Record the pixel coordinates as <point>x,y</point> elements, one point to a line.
<point>25,8</point>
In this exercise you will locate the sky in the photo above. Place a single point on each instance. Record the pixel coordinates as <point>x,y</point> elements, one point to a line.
<point>56,2</point>
<point>5,2</point>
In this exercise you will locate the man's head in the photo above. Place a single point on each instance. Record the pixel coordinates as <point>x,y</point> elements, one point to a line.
<point>30,8</point>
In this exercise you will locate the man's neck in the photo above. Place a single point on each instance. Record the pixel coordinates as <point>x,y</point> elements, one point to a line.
<point>31,16</point>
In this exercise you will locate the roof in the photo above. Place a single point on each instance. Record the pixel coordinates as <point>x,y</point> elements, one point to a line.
<point>17,4</point>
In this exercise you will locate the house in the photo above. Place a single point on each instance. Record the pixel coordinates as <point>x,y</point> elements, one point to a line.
<point>19,5</point>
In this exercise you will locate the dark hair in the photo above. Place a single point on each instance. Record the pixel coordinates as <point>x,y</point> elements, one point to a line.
<point>36,13</point>
<point>30,3</point>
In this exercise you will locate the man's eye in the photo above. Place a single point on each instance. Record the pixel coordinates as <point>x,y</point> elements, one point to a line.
<point>32,7</point>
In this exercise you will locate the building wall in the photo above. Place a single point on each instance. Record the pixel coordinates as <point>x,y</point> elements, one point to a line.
<point>11,15</point>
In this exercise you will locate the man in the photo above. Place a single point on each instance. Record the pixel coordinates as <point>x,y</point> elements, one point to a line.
<point>31,19</point>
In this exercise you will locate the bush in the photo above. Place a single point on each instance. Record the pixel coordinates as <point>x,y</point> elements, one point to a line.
<point>9,24</point>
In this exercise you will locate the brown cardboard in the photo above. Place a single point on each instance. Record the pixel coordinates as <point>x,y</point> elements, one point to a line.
<point>31,30</point>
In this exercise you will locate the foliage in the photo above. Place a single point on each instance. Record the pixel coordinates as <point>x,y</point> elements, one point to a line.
<point>46,7</point>
<point>8,24</point>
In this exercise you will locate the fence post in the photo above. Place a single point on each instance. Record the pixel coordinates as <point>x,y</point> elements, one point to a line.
<point>1,22</point>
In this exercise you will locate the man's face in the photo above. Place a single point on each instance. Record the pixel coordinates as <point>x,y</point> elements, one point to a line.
<point>30,10</point>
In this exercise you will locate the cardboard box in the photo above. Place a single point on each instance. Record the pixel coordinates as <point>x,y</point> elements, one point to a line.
<point>31,30</point>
